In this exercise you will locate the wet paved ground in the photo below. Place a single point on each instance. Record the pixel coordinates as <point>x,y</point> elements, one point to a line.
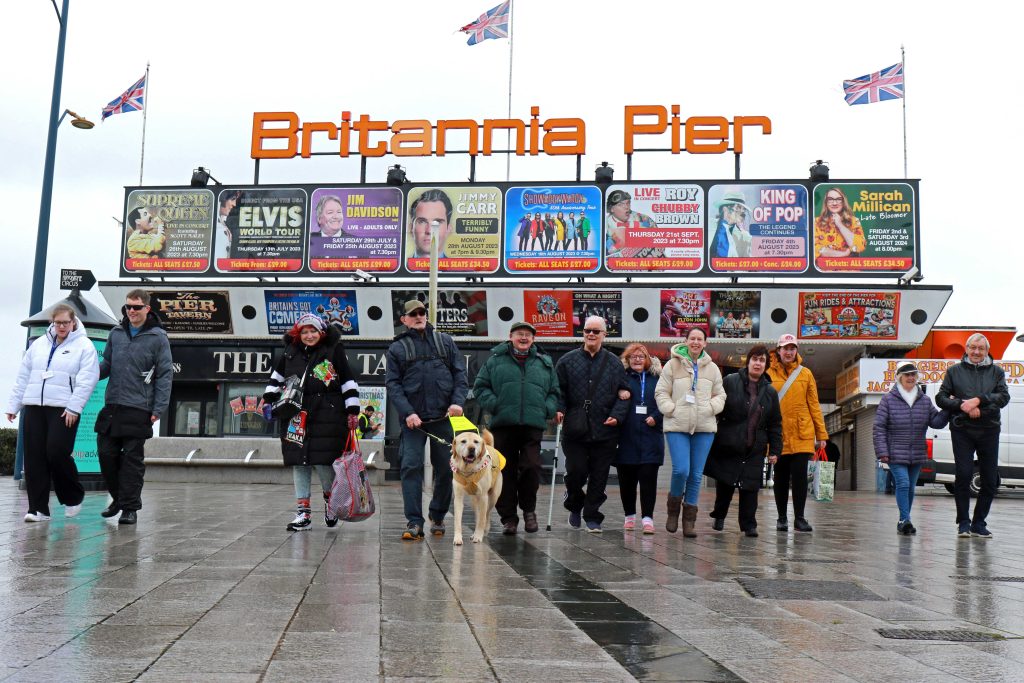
<point>210,587</point>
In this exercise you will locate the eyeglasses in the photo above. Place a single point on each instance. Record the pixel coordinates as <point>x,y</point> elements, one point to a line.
<point>638,356</point>
<point>416,314</point>
<point>833,199</point>
<point>593,331</point>
<point>62,323</point>
<point>135,307</point>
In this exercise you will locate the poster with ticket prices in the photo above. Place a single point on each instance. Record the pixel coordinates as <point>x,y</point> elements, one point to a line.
<point>261,230</point>
<point>467,221</point>
<point>168,231</point>
<point>358,228</point>
<point>654,228</point>
<point>554,229</point>
<point>864,227</point>
<point>758,228</point>
<point>683,309</point>
<point>849,315</point>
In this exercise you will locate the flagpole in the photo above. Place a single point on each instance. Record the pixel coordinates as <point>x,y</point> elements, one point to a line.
<point>145,106</point>
<point>508,131</point>
<point>903,61</point>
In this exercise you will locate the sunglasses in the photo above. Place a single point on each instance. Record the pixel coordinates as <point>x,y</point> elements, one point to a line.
<point>135,307</point>
<point>416,314</point>
<point>593,331</point>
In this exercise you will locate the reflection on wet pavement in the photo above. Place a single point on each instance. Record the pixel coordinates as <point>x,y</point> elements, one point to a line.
<point>209,586</point>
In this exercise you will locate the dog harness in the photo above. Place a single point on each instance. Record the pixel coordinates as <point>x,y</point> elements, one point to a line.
<point>469,482</point>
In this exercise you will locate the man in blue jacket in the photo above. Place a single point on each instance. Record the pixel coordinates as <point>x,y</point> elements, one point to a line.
<point>426,381</point>
<point>137,361</point>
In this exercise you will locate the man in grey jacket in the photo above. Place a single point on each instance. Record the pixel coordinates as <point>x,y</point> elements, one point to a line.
<point>137,361</point>
<point>426,380</point>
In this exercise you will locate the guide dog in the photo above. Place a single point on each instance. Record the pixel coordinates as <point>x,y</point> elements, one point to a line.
<point>476,472</point>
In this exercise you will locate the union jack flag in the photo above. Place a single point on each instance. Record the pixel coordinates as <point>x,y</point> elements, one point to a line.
<point>131,99</point>
<point>886,84</point>
<point>491,24</point>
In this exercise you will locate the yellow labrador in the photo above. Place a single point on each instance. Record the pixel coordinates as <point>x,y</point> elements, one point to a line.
<point>476,472</point>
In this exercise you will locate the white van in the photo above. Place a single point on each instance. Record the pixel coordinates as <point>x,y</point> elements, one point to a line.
<point>1011,443</point>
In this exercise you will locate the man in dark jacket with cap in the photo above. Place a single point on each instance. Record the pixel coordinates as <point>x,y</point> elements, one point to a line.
<point>591,410</point>
<point>974,391</point>
<point>519,388</point>
<point>137,361</point>
<point>426,381</point>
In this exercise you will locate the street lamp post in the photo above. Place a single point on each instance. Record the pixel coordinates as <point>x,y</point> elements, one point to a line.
<point>432,288</point>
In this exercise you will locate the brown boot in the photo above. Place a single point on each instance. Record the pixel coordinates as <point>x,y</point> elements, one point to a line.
<point>674,504</point>
<point>689,520</point>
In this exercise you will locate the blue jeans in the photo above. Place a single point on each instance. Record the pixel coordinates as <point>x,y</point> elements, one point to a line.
<point>689,452</point>
<point>411,453</point>
<point>302,475</point>
<point>905,477</point>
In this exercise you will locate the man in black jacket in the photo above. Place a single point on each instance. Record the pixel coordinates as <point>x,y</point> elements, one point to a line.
<point>974,391</point>
<point>426,380</point>
<point>590,410</point>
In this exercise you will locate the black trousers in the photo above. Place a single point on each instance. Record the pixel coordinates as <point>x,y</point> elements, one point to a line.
<point>647,477</point>
<point>967,442</point>
<point>587,464</point>
<point>48,446</point>
<point>124,468</point>
<point>748,505</point>
<point>791,470</point>
<point>521,477</point>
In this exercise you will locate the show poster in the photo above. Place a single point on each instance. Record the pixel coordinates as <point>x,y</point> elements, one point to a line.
<point>168,231</point>
<point>758,228</point>
<point>553,229</point>
<point>654,228</point>
<point>375,398</point>
<point>864,227</point>
<point>684,309</point>
<point>468,228</point>
<point>192,312</point>
<point>604,304</point>
<point>285,307</point>
<point>460,312</point>
<point>849,315</point>
<point>260,230</point>
<point>735,314</point>
<point>357,228</point>
<point>85,452</point>
<point>550,312</point>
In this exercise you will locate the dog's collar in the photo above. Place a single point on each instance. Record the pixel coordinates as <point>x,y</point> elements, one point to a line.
<point>485,462</point>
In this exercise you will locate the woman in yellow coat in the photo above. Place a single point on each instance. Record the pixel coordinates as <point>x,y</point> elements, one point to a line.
<point>803,429</point>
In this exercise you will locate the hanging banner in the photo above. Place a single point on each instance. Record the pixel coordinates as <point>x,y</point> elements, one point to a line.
<point>553,229</point>
<point>849,315</point>
<point>864,227</point>
<point>654,228</point>
<point>549,311</point>
<point>460,312</point>
<point>468,224</point>
<point>192,312</point>
<point>285,307</point>
<point>168,231</point>
<point>607,305</point>
<point>355,229</point>
<point>261,230</point>
<point>684,309</point>
<point>736,314</point>
<point>758,228</point>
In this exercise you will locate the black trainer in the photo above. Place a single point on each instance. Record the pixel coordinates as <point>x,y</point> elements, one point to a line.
<point>782,524</point>
<point>127,517</point>
<point>111,510</point>
<point>300,523</point>
<point>331,522</point>
<point>717,523</point>
<point>801,524</point>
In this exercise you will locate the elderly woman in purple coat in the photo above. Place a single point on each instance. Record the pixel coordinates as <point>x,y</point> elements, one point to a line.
<point>901,422</point>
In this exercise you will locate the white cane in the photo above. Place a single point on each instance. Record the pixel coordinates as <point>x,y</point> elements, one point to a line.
<point>554,473</point>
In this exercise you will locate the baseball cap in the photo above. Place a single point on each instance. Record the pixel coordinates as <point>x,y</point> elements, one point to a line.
<point>906,369</point>
<point>523,325</point>
<point>414,305</point>
<point>786,340</point>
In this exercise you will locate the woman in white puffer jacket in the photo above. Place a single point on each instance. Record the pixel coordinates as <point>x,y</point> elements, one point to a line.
<point>689,395</point>
<point>58,374</point>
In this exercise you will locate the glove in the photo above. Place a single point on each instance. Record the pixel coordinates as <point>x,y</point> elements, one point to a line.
<point>353,423</point>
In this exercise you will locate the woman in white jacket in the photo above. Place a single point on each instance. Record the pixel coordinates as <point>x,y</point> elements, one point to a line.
<point>57,376</point>
<point>689,395</point>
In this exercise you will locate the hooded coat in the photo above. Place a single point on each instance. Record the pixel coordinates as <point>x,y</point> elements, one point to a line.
<point>330,394</point>
<point>802,421</point>
<point>74,372</point>
<point>640,443</point>
<point>899,430</point>
<point>677,382</point>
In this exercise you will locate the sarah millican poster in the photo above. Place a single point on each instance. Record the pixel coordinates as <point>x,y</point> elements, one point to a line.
<point>864,227</point>
<point>468,228</point>
<point>261,230</point>
<point>355,229</point>
<point>168,231</point>
<point>654,228</point>
<point>849,315</point>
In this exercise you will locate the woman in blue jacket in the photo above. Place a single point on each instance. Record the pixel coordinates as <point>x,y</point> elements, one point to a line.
<point>641,446</point>
<point>901,422</point>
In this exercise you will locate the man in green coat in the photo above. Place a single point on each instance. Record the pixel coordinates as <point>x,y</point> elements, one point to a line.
<point>519,388</point>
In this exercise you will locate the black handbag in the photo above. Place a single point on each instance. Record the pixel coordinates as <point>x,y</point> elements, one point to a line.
<point>290,403</point>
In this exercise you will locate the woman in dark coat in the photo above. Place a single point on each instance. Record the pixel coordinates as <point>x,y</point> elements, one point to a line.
<point>641,445</point>
<point>901,422</point>
<point>749,427</point>
<point>316,436</point>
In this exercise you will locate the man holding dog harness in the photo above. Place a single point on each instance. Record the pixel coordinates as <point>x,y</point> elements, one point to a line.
<point>426,381</point>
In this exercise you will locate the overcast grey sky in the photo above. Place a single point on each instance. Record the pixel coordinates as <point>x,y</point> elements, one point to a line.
<point>214,63</point>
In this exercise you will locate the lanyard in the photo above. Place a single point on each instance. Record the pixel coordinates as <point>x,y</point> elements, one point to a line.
<point>643,388</point>
<point>53,349</point>
<point>693,385</point>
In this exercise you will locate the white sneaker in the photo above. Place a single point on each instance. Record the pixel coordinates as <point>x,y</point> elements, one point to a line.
<point>72,510</point>
<point>301,522</point>
<point>37,517</point>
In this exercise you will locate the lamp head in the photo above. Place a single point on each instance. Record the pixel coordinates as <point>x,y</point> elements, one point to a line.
<point>200,177</point>
<point>79,122</point>
<point>604,173</point>
<point>819,171</point>
<point>396,176</point>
